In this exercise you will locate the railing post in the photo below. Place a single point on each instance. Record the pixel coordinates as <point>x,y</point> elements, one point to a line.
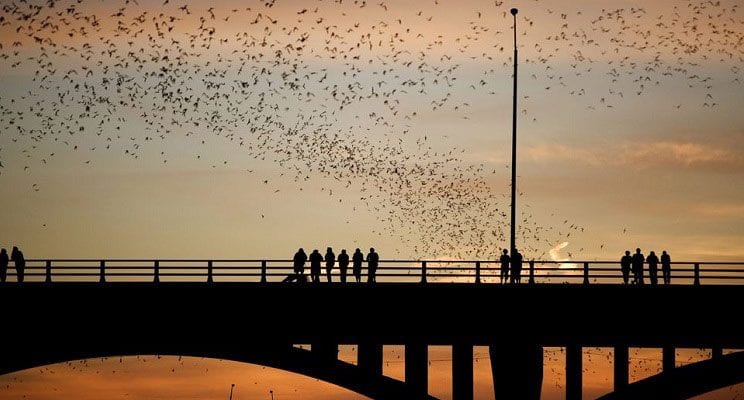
<point>586,273</point>
<point>423,271</point>
<point>49,271</point>
<point>697,274</point>
<point>477,272</point>
<point>263,271</point>
<point>156,272</point>
<point>102,273</point>
<point>532,272</point>
<point>210,279</point>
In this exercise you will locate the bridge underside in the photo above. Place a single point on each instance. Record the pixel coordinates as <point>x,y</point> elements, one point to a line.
<point>258,323</point>
<point>686,381</point>
<point>304,362</point>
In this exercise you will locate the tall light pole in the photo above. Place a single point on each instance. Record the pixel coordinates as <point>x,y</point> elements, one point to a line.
<point>513,247</point>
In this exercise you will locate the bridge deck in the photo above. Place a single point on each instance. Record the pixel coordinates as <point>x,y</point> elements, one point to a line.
<point>79,314</point>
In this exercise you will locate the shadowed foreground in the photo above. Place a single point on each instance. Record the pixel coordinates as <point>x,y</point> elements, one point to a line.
<point>54,323</point>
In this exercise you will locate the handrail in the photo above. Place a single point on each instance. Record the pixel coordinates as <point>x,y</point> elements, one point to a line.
<point>392,271</point>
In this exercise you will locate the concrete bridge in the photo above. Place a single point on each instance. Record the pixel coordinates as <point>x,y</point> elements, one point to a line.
<point>259,322</point>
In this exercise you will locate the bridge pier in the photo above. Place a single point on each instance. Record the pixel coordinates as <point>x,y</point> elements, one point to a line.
<point>620,380</point>
<point>716,353</point>
<point>324,352</point>
<point>574,359</point>
<point>462,371</point>
<point>517,371</point>
<point>417,368</point>
<point>667,358</point>
<point>369,358</point>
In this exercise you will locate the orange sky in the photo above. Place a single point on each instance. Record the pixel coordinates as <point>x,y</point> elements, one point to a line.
<point>151,377</point>
<point>638,143</point>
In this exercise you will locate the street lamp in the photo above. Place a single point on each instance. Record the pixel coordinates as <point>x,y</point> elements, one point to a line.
<point>513,244</point>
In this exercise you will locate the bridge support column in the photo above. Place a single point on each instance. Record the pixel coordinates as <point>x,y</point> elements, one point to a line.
<point>517,371</point>
<point>462,371</point>
<point>417,368</point>
<point>369,358</point>
<point>667,359</point>
<point>620,381</point>
<point>574,359</point>
<point>324,352</point>
<point>716,353</point>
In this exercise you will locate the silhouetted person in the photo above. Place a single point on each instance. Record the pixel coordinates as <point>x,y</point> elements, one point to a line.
<point>653,267</point>
<point>373,260</point>
<point>357,260</point>
<point>20,262</point>
<point>300,258</point>
<point>343,264</point>
<point>625,263</point>
<point>666,267</point>
<point>330,260</point>
<point>4,259</point>
<point>505,259</point>
<point>516,267</point>
<point>637,263</point>
<point>315,260</point>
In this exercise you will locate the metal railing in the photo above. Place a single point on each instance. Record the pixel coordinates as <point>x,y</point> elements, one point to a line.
<point>392,271</point>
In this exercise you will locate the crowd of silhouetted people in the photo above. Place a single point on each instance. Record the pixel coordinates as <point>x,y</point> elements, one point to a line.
<point>511,267</point>
<point>330,259</point>
<point>16,256</point>
<point>635,263</point>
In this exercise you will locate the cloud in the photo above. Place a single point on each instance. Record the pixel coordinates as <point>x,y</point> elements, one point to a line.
<point>676,154</point>
<point>651,154</point>
<point>720,210</point>
<point>555,255</point>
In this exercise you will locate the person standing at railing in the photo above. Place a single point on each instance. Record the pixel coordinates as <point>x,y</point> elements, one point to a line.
<point>666,267</point>
<point>300,258</point>
<point>653,263</point>
<point>315,260</point>
<point>343,264</point>
<point>330,260</point>
<point>20,262</point>
<point>505,267</point>
<point>625,262</point>
<point>373,260</point>
<point>4,260</point>
<point>637,262</point>
<point>357,260</point>
<point>516,267</point>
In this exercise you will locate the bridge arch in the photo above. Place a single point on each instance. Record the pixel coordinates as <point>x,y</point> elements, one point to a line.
<point>686,381</point>
<point>291,359</point>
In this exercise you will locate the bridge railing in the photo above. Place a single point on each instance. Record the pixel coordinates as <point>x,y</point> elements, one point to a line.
<point>393,271</point>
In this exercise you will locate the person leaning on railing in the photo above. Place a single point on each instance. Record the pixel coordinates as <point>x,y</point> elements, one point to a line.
<point>4,260</point>
<point>666,267</point>
<point>625,262</point>
<point>357,260</point>
<point>315,259</point>
<point>373,260</point>
<point>516,267</point>
<point>505,260</point>
<point>20,262</point>
<point>653,262</point>
<point>637,262</point>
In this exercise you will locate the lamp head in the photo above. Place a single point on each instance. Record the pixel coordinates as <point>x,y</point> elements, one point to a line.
<point>514,11</point>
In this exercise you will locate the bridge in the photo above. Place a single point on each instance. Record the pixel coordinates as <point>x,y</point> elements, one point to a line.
<point>240,310</point>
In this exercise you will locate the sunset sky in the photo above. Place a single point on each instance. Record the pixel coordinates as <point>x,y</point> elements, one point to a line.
<point>233,129</point>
